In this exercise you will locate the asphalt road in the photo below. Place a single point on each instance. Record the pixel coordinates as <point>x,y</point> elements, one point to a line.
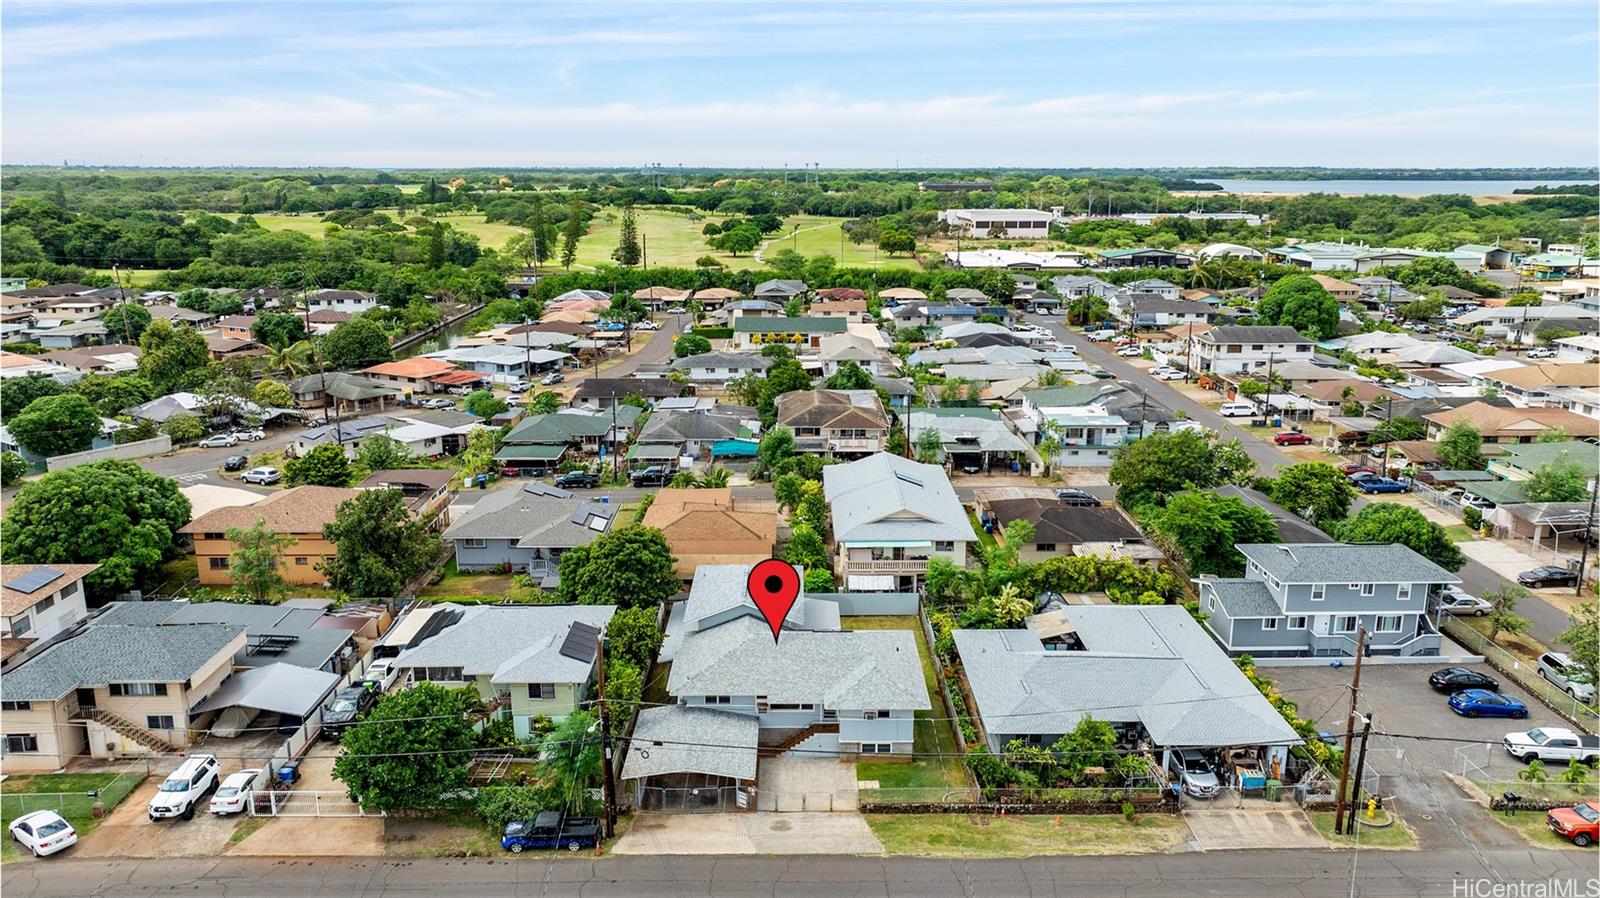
<point>1237,874</point>
<point>1547,621</point>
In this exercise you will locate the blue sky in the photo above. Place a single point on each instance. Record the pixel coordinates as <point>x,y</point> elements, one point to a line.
<point>914,84</point>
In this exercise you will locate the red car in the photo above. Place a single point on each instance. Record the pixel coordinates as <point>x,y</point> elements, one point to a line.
<point>1354,468</point>
<point>1581,824</point>
<point>1290,438</point>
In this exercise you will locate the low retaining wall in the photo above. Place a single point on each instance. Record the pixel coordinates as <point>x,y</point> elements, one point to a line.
<point>1529,804</point>
<point>1142,804</point>
<point>158,445</point>
<point>867,604</point>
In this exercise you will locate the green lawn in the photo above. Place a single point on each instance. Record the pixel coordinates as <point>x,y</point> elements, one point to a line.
<point>933,735</point>
<point>1460,533</point>
<point>964,836</point>
<point>489,234</point>
<point>135,277</point>
<point>672,240</point>
<point>813,235</point>
<point>64,793</point>
<point>984,536</point>
<point>1397,836</point>
<point>475,587</point>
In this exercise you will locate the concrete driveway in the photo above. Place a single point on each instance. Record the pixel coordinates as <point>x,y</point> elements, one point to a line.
<point>1285,827</point>
<point>129,831</point>
<point>758,833</point>
<point>795,784</point>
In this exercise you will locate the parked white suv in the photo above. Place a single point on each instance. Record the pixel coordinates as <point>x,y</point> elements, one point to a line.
<point>185,787</point>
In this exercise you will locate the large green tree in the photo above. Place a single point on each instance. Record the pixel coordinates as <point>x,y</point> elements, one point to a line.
<point>278,330</point>
<point>257,560</point>
<point>13,468</point>
<point>690,344</point>
<point>571,232</point>
<point>412,750</point>
<point>1314,490</point>
<point>1562,479</point>
<point>1148,470</point>
<point>631,567</point>
<point>628,252</point>
<point>1583,641</point>
<point>324,465</point>
<point>571,756</point>
<point>20,392</point>
<point>174,357</point>
<point>1461,447</point>
<point>1386,522</point>
<point>272,394</point>
<point>110,513</point>
<point>112,394</point>
<point>850,376</point>
<point>1300,302</point>
<point>484,403</point>
<point>56,425</point>
<point>380,546</point>
<point>1207,528</point>
<point>125,322</point>
<point>357,343</point>
<point>633,636</point>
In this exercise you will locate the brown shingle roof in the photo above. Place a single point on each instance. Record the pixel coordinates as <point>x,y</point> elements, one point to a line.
<point>1497,421</point>
<point>708,514</point>
<point>830,408</point>
<point>1550,374</point>
<point>1333,390</point>
<point>302,509</point>
<point>14,602</point>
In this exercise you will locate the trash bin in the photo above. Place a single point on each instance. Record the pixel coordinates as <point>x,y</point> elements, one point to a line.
<point>1274,789</point>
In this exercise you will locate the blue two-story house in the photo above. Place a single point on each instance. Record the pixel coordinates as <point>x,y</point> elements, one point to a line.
<point>1298,600</point>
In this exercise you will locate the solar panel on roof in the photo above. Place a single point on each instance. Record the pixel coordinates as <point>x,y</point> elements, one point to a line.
<point>581,642</point>
<point>33,580</point>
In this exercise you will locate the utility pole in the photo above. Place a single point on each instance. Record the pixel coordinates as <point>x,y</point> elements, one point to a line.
<point>614,461</point>
<point>1266,401</point>
<point>605,740</point>
<point>1583,556</point>
<point>1361,764</point>
<point>1349,733</point>
<point>122,301</point>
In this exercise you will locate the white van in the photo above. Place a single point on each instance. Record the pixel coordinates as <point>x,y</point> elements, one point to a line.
<point>1236,410</point>
<point>1100,336</point>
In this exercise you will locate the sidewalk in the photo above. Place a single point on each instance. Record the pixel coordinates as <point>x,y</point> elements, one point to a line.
<point>1509,561</point>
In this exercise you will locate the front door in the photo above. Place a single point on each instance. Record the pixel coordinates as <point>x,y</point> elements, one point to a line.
<point>85,698</point>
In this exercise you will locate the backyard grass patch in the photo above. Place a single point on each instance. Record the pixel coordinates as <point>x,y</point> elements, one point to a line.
<point>962,835</point>
<point>1532,827</point>
<point>984,536</point>
<point>65,793</point>
<point>1460,533</point>
<point>1398,836</point>
<point>936,768</point>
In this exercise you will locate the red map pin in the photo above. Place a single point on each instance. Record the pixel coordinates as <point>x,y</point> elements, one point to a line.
<point>774,585</point>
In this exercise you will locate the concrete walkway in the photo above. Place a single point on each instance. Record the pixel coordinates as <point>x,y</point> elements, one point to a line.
<point>758,833</point>
<point>1284,827</point>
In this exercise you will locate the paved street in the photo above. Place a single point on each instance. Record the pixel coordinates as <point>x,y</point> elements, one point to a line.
<point>1235,874</point>
<point>1548,621</point>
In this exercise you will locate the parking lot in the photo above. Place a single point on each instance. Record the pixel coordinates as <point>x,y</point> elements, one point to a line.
<point>1412,770</point>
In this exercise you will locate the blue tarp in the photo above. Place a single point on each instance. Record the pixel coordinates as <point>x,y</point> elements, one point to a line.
<point>733,449</point>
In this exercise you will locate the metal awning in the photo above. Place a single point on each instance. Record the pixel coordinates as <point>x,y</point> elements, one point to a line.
<point>655,451</point>
<point>280,688</point>
<point>541,452</point>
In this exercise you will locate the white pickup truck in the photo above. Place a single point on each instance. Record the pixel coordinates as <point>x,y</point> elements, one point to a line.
<point>1552,744</point>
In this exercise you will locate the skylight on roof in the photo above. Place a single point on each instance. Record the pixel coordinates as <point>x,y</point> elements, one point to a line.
<point>902,475</point>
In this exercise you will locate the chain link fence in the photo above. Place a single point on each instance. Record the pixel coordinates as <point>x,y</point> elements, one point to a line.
<point>1524,672</point>
<point>71,805</point>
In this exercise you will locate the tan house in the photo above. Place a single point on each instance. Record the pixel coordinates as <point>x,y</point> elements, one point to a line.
<point>237,327</point>
<point>427,490</point>
<point>414,375</point>
<point>835,422</point>
<point>852,310</point>
<point>296,513</point>
<point>112,690</point>
<point>709,527</point>
<point>1343,291</point>
<point>1513,425</point>
<point>37,601</point>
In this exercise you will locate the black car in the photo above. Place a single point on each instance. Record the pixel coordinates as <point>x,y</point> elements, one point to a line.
<point>235,463</point>
<point>655,475</point>
<point>1077,497</point>
<point>349,705</point>
<point>1540,577</point>
<point>1455,679</point>
<point>579,479</point>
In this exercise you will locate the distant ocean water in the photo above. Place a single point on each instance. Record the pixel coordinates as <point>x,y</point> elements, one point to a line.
<point>1398,188</point>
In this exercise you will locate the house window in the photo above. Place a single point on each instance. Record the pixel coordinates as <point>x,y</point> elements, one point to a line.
<point>158,721</point>
<point>1046,547</point>
<point>1297,622</point>
<point>944,545</point>
<point>1405,592</point>
<point>23,742</point>
<point>441,674</point>
<point>475,543</point>
<point>44,604</point>
<point>1255,347</point>
<point>719,699</point>
<point>788,706</point>
<point>1368,589</point>
<point>21,625</point>
<point>1212,606</point>
<point>1388,623</point>
<point>137,689</point>
<point>16,706</point>
<point>1344,623</point>
<point>1319,592</point>
<point>301,559</point>
<point>217,564</point>
<point>876,748</point>
<point>829,714</point>
<point>542,690</point>
<point>1270,623</point>
<point>212,536</point>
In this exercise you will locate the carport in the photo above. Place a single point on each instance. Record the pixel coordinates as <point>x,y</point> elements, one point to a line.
<point>689,759</point>
<point>532,459</point>
<point>293,693</point>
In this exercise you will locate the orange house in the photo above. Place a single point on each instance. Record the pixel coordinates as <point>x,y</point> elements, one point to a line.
<point>706,527</point>
<point>297,514</point>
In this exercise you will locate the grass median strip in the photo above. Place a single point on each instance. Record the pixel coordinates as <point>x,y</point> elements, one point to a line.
<point>962,835</point>
<point>1397,837</point>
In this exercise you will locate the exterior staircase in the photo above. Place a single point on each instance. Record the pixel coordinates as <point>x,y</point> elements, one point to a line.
<point>127,728</point>
<point>795,738</point>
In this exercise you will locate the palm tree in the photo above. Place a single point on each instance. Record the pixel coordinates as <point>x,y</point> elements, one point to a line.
<point>1534,772</point>
<point>1087,307</point>
<point>293,360</point>
<point>715,478</point>
<point>1051,377</point>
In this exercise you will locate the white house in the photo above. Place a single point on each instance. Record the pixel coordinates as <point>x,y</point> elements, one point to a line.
<point>1235,349</point>
<point>1079,419</point>
<point>890,515</point>
<point>351,301</point>
<point>41,600</point>
<point>1014,224</point>
<point>717,368</point>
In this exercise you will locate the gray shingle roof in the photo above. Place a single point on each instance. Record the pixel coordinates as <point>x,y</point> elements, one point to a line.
<point>1239,333</point>
<point>682,739</point>
<point>571,424</point>
<point>841,669</point>
<point>1148,664</point>
<point>511,643</point>
<point>748,325</point>
<point>1243,598</point>
<point>886,497</point>
<point>722,422</point>
<point>1345,563</point>
<point>113,653</point>
<point>535,521</point>
<point>723,360</point>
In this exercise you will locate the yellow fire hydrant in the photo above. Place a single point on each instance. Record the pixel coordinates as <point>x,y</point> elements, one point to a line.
<point>1372,809</point>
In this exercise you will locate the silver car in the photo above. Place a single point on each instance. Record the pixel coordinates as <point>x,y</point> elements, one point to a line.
<point>1196,774</point>
<point>1560,671</point>
<point>219,441</point>
<point>263,476</point>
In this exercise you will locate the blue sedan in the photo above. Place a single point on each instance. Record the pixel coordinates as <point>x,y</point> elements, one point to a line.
<point>1381,485</point>
<point>1483,703</point>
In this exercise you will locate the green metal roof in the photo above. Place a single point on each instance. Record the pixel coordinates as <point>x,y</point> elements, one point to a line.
<point>1500,492</point>
<point>538,452</point>
<point>1531,457</point>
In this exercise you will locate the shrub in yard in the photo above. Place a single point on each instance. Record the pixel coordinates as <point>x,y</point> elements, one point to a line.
<point>1127,811</point>
<point>1472,517</point>
<point>499,805</point>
